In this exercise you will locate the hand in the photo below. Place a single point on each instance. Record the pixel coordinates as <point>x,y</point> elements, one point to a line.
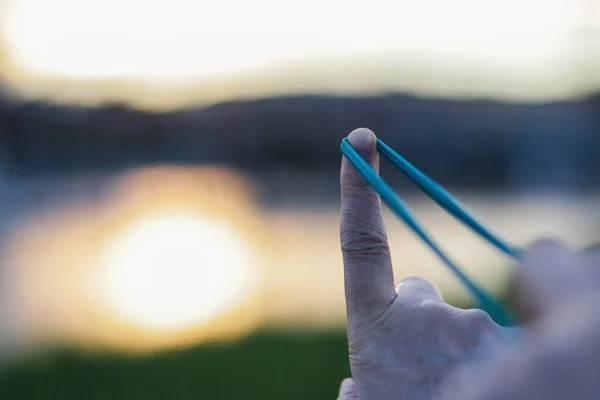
<point>404,341</point>
<point>550,276</point>
<point>559,357</point>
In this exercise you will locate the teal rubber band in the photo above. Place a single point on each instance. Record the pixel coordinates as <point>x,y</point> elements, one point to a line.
<point>443,198</point>
<point>486,302</point>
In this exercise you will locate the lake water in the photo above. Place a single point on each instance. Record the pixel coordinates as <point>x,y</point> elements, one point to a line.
<point>298,254</point>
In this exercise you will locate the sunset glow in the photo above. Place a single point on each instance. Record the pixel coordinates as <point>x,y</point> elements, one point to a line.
<point>184,39</point>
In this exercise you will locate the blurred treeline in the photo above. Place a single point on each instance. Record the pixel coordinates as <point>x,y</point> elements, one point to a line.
<point>470,143</point>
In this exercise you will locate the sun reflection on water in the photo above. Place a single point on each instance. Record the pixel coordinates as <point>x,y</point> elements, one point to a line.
<point>174,270</point>
<point>169,257</point>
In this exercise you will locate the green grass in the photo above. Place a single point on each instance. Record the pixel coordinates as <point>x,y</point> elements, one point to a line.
<point>267,365</point>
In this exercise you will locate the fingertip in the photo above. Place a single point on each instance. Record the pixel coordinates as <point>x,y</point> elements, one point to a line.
<point>364,141</point>
<point>347,389</point>
<point>346,383</point>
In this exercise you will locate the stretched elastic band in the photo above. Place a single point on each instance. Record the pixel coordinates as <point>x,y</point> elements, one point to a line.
<point>485,301</point>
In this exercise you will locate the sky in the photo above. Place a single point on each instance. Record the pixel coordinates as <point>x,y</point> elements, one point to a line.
<point>165,53</point>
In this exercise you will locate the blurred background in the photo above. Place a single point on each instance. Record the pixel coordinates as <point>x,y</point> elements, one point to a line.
<point>169,176</point>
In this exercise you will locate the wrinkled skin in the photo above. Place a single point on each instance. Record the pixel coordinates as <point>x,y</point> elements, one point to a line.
<point>406,343</point>
<point>403,340</point>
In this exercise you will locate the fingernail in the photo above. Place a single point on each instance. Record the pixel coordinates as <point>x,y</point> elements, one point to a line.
<point>364,142</point>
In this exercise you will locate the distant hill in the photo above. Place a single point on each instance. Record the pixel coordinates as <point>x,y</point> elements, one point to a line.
<point>466,143</point>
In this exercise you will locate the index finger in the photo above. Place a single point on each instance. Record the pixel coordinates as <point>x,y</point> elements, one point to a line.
<point>368,276</point>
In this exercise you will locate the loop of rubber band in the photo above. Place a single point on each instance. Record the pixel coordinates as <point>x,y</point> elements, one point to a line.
<point>486,302</point>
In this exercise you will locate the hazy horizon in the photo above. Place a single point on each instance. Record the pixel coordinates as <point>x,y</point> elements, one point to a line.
<point>504,50</point>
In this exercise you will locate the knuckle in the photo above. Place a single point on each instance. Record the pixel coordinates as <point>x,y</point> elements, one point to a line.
<point>420,282</point>
<point>354,183</point>
<point>479,319</point>
<point>545,244</point>
<point>420,288</point>
<point>363,239</point>
<point>354,186</point>
<point>434,309</point>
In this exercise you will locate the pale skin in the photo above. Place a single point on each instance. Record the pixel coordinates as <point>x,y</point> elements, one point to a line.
<point>404,341</point>
<point>559,357</point>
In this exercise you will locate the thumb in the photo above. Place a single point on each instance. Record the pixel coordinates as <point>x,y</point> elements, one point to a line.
<point>347,390</point>
<point>548,275</point>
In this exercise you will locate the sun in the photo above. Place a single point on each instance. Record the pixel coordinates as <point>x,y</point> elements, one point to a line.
<point>175,270</point>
